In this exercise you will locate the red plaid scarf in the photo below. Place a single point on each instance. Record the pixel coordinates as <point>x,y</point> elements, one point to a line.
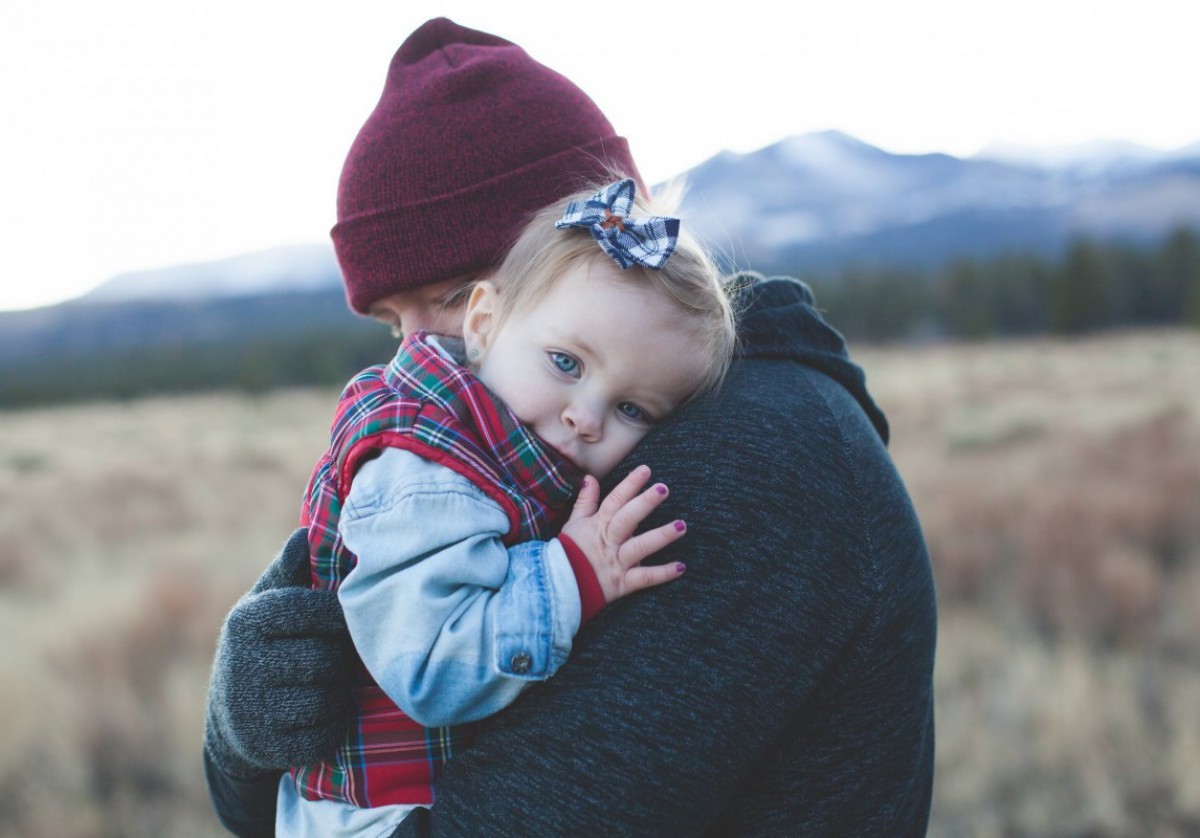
<point>427,404</point>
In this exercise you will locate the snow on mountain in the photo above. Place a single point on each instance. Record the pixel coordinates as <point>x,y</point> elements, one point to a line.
<point>1142,208</point>
<point>825,199</point>
<point>296,268</point>
<point>1192,150</point>
<point>838,161</point>
<point>1095,156</point>
<point>828,186</point>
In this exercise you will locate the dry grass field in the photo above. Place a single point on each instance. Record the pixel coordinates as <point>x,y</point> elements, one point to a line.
<point>1058,483</point>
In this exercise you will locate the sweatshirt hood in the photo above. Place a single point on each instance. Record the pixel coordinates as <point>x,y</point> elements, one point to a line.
<point>778,320</point>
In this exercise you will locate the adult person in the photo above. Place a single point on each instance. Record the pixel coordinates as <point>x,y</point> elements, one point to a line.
<point>783,686</point>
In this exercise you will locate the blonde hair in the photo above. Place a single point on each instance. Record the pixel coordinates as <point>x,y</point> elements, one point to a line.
<point>689,279</point>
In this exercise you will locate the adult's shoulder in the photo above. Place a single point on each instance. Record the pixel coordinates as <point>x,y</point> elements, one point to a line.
<point>792,448</point>
<point>778,320</point>
<point>793,415</point>
<point>793,395</point>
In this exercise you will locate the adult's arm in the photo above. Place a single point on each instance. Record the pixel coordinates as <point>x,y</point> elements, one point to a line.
<point>279,690</point>
<point>805,567</point>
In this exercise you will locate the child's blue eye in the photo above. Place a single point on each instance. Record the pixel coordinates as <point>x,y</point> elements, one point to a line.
<point>565,363</point>
<point>631,411</point>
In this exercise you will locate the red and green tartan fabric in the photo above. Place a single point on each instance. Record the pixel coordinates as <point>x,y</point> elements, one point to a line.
<point>428,404</point>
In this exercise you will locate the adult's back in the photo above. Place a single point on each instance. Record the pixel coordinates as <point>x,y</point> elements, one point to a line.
<point>784,684</point>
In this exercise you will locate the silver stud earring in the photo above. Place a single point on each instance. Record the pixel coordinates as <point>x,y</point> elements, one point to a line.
<point>473,354</point>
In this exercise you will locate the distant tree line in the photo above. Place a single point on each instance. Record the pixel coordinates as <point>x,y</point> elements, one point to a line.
<point>253,346</point>
<point>318,357</point>
<point>1092,287</point>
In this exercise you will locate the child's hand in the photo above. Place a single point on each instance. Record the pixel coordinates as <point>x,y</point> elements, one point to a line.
<point>605,535</point>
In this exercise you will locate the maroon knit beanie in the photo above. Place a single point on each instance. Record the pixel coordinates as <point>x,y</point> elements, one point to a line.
<point>470,137</point>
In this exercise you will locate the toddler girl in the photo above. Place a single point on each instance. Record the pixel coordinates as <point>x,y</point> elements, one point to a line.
<point>438,511</point>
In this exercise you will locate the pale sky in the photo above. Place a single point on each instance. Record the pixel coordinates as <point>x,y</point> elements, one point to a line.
<point>140,133</point>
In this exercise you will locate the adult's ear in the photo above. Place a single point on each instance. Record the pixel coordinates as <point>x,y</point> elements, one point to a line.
<point>480,319</point>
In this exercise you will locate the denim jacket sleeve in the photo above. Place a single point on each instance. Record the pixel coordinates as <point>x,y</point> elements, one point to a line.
<point>449,622</point>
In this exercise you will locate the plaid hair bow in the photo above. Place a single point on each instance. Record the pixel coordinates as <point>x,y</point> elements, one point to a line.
<point>648,241</point>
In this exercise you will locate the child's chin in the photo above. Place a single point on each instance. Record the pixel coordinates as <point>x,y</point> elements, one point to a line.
<point>569,460</point>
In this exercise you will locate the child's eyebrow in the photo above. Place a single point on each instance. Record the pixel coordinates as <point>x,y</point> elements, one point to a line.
<point>574,341</point>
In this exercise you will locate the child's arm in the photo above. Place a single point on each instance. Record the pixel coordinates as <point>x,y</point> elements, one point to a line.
<point>450,622</point>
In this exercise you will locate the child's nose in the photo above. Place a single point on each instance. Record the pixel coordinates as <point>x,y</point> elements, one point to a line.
<point>583,422</point>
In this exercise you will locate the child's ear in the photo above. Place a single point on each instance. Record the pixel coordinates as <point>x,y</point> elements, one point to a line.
<point>480,317</point>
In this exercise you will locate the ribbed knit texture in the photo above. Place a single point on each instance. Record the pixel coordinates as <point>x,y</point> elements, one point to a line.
<point>470,137</point>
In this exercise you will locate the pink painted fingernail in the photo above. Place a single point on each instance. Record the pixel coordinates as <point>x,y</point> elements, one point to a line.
<point>680,526</point>
<point>661,489</point>
<point>680,567</point>
<point>583,483</point>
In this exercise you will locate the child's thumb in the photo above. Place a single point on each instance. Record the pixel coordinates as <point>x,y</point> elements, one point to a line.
<point>588,500</point>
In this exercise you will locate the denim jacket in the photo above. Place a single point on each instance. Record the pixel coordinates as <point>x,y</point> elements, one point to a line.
<point>451,624</point>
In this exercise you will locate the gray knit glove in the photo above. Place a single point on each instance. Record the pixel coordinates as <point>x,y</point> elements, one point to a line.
<point>279,694</point>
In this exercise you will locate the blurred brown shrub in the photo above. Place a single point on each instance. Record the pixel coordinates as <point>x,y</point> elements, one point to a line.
<point>1059,488</point>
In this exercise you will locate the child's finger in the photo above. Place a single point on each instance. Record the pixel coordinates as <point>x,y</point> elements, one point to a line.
<point>629,517</point>
<point>588,499</point>
<point>647,577</point>
<point>625,491</point>
<point>637,549</point>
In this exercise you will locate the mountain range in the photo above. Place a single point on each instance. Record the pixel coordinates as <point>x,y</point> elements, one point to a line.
<point>815,204</point>
<point>825,201</point>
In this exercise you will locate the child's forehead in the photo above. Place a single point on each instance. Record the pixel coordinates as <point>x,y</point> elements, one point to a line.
<point>605,302</point>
